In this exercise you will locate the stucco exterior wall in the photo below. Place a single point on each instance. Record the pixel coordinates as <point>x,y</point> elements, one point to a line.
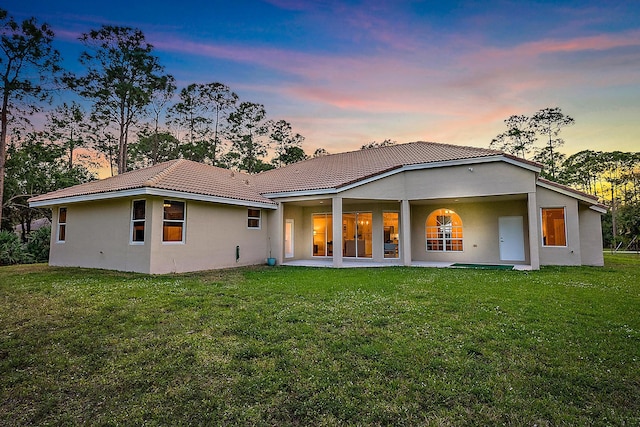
<point>482,179</point>
<point>590,236</point>
<point>480,230</point>
<point>560,255</point>
<point>98,236</point>
<point>212,233</point>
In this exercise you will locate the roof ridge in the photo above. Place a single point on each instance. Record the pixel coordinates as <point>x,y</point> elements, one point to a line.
<point>164,172</point>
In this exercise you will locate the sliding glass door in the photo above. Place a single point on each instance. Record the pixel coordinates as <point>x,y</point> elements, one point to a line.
<point>391,234</point>
<point>322,235</point>
<point>357,234</point>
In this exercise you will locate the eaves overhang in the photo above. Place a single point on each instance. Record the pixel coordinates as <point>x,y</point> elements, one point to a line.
<point>149,191</point>
<point>592,202</point>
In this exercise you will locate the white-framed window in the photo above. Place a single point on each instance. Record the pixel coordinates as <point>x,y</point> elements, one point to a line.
<point>253,218</point>
<point>138,219</point>
<point>62,225</point>
<point>173,221</point>
<point>444,231</point>
<point>554,229</point>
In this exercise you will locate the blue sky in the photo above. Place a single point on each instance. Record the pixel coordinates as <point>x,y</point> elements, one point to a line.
<point>345,73</point>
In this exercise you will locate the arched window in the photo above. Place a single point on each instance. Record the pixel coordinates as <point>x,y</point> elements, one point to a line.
<point>444,231</point>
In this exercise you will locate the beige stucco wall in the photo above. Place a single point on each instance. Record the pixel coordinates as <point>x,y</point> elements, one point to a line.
<point>484,179</point>
<point>590,236</point>
<point>561,255</point>
<point>212,233</point>
<point>480,230</point>
<point>98,237</point>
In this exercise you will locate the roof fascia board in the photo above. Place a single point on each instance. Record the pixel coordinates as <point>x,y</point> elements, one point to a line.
<point>598,209</point>
<point>148,191</point>
<point>301,193</point>
<point>568,193</point>
<point>419,166</point>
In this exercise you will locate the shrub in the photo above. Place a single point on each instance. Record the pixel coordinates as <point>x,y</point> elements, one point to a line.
<point>39,243</point>
<point>11,249</point>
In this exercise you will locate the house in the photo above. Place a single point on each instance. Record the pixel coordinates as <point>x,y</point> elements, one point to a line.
<point>419,203</point>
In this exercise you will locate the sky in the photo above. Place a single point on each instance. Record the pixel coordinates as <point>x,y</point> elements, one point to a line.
<point>345,73</point>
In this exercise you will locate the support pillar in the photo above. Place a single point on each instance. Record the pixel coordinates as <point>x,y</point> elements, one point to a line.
<point>276,234</point>
<point>534,235</point>
<point>405,225</point>
<point>336,212</point>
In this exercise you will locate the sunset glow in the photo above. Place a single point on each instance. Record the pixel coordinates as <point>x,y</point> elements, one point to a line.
<point>347,73</point>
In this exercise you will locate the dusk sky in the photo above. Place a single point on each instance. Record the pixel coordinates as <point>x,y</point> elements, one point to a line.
<point>345,73</point>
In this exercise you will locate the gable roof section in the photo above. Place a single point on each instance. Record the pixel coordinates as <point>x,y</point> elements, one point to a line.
<point>175,178</point>
<point>572,192</point>
<point>336,171</point>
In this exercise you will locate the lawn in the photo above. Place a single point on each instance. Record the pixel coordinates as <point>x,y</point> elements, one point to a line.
<point>305,346</point>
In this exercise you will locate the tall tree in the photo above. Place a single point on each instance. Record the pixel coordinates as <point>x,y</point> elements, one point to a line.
<point>287,144</point>
<point>67,125</point>
<point>27,62</point>
<point>519,137</point>
<point>156,139</point>
<point>202,109</point>
<point>246,128</point>
<point>122,75</point>
<point>549,122</point>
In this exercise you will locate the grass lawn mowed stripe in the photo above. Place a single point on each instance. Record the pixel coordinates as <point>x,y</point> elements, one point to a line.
<point>312,346</point>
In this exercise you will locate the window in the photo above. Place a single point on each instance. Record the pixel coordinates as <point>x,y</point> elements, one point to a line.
<point>173,224</point>
<point>137,221</point>
<point>62,224</point>
<point>553,227</point>
<point>253,218</point>
<point>444,231</point>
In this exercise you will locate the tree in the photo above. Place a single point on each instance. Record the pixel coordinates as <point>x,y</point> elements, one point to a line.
<point>288,145</point>
<point>246,127</point>
<point>152,148</point>
<point>548,122</point>
<point>519,137</point>
<point>201,111</point>
<point>320,152</point>
<point>160,97</point>
<point>581,170</point>
<point>27,62</point>
<point>374,144</point>
<point>35,166</point>
<point>291,155</point>
<point>552,160</point>
<point>67,125</point>
<point>122,75</point>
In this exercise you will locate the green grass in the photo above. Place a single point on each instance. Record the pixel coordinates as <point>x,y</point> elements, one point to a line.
<point>304,346</point>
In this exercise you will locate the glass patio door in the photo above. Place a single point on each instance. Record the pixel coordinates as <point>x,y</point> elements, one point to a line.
<point>357,234</point>
<point>322,235</point>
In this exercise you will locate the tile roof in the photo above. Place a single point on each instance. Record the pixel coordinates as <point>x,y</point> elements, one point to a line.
<point>321,173</point>
<point>176,175</point>
<point>338,170</point>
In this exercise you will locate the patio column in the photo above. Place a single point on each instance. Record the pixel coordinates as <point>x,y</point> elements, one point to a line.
<point>534,236</point>
<point>277,236</point>
<point>336,211</point>
<point>405,225</point>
